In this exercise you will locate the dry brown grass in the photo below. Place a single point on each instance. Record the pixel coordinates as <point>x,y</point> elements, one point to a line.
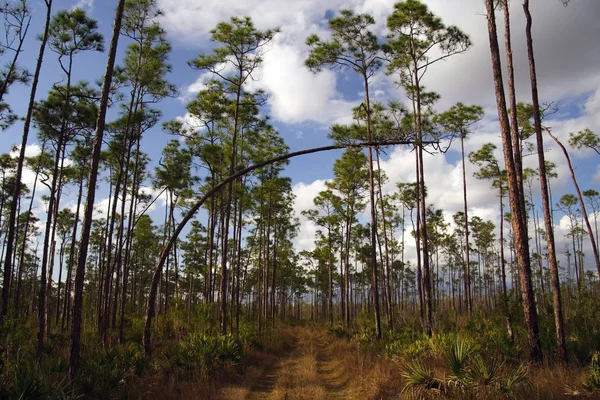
<point>306,363</point>
<point>298,376</point>
<point>227,384</point>
<point>556,382</point>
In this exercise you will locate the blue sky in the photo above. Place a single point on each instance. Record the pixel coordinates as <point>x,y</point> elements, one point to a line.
<point>303,105</point>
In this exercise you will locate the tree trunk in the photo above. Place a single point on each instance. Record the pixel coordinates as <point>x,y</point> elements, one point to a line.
<point>374,283</point>
<point>24,242</point>
<point>467,256</point>
<point>423,211</point>
<point>556,295</point>
<point>514,126</point>
<point>509,324</point>
<point>89,207</point>
<point>12,219</point>
<point>44,278</point>
<point>582,204</point>
<point>390,319</point>
<point>67,305</point>
<point>519,231</point>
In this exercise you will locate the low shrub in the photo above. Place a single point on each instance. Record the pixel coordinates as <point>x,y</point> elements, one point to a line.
<point>592,381</point>
<point>108,372</point>
<point>202,355</point>
<point>339,331</point>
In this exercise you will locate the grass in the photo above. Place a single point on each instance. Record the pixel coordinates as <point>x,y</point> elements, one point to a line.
<point>308,362</point>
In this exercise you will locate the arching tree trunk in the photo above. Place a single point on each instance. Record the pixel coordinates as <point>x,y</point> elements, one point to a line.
<point>151,302</point>
<point>581,203</point>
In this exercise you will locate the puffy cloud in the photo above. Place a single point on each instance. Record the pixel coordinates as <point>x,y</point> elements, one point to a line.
<point>297,96</point>
<point>305,193</point>
<point>567,74</point>
<point>84,3</point>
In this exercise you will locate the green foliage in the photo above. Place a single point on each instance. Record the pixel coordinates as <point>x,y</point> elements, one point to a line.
<point>366,335</point>
<point>107,372</point>
<point>249,337</point>
<point>202,355</point>
<point>339,331</point>
<point>459,119</point>
<point>491,337</point>
<point>353,45</point>
<point>517,376</point>
<point>471,363</point>
<point>26,380</point>
<point>458,355</point>
<point>485,371</point>
<point>582,327</point>
<point>407,343</point>
<point>135,331</point>
<point>592,381</point>
<point>73,31</point>
<point>419,378</point>
<point>585,138</point>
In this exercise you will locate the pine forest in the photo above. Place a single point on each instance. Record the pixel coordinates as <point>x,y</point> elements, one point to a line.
<point>299,200</point>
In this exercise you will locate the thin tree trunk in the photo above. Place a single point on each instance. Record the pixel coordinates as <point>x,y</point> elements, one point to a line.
<point>89,207</point>
<point>467,256</point>
<point>129,240</point>
<point>44,278</point>
<point>519,231</point>
<point>582,204</point>
<point>390,319</point>
<point>556,295</point>
<point>67,305</point>
<point>12,219</point>
<point>509,324</point>
<point>514,125</point>
<point>150,306</point>
<point>374,283</point>
<point>423,210</point>
<point>24,242</point>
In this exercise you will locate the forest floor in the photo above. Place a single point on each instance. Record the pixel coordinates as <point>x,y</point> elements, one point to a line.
<point>300,362</point>
<point>305,362</point>
<point>307,367</point>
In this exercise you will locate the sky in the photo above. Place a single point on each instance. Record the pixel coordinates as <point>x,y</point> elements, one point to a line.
<point>303,105</point>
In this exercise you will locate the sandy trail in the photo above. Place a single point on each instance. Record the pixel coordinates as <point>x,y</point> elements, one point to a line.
<point>329,372</point>
<point>307,369</point>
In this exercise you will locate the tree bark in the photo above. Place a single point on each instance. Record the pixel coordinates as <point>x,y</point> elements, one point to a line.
<point>374,282</point>
<point>387,286</point>
<point>467,255</point>
<point>12,219</point>
<point>89,206</point>
<point>582,204</point>
<point>514,125</point>
<point>556,295</point>
<point>519,231</point>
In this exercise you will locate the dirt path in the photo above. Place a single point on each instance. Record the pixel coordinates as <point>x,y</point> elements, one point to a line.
<point>266,382</point>
<point>306,369</point>
<point>329,372</point>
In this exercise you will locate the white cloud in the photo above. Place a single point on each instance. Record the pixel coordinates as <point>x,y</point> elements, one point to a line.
<point>84,3</point>
<point>296,94</point>
<point>304,195</point>
<point>566,72</point>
